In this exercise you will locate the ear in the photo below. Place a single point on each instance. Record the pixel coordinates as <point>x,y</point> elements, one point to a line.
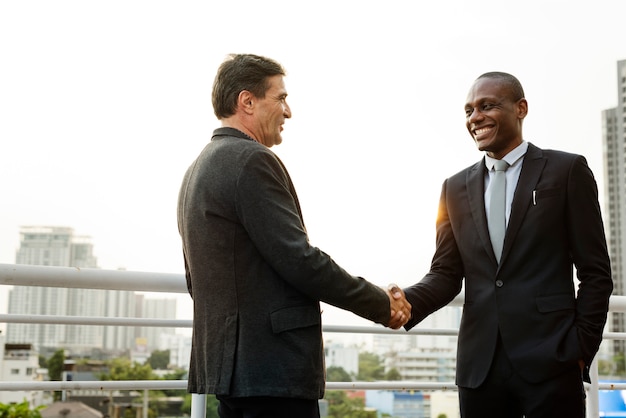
<point>522,108</point>
<point>246,101</point>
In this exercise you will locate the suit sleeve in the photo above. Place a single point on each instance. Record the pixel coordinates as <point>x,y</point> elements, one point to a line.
<point>590,256</point>
<point>269,210</point>
<point>444,280</point>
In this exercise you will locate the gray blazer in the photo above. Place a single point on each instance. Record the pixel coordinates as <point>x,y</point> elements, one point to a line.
<point>529,300</point>
<point>255,280</point>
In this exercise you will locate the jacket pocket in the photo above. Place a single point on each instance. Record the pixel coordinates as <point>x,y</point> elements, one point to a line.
<point>552,303</point>
<point>293,317</point>
<point>553,191</point>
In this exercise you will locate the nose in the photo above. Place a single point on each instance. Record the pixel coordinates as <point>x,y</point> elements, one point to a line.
<point>286,111</point>
<point>473,115</point>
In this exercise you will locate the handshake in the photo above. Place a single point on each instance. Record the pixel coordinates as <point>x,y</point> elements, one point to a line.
<point>400,307</point>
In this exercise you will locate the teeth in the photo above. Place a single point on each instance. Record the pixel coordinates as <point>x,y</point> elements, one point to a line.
<point>482,131</point>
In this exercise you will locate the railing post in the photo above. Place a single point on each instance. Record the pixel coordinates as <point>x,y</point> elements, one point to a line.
<point>145,403</point>
<point>198,405</point>
<point>593,396</point>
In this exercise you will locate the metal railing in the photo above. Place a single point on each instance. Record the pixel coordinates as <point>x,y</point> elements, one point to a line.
<point>70,277</point>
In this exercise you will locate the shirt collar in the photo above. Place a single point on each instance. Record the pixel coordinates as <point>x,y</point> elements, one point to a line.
<point>512,157</point>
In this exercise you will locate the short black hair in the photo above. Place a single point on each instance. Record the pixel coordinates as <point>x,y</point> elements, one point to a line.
<point>510,80</point>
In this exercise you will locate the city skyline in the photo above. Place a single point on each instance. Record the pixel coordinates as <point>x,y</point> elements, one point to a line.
<point>60,246</point>
<point>105,106</point>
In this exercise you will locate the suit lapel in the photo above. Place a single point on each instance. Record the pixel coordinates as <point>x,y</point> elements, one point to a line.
<point>532,168</point>
<point>475,182</point>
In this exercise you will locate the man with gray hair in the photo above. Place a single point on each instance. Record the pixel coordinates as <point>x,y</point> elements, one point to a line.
<point>255,280</point>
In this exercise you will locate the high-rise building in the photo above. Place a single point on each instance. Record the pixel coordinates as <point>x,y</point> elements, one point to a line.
<point>53,246</point>
<point>119,303</point>
<point>161,308</point>
<point>59,246</point>
<point>614,152</point>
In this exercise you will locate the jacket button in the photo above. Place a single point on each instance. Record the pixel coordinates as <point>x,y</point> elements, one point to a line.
<point>499,283</point>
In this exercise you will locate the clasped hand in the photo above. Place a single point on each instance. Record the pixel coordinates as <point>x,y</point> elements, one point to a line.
<point>400,307</point>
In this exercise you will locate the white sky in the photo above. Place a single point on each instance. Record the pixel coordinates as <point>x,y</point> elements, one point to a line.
<point>104,104</point>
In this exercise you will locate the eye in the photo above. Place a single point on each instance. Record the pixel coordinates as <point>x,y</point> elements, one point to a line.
<point>468,112</point>
<point>488,106</point>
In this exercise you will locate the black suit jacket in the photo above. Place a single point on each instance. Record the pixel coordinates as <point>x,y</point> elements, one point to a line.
<point>530,299</point>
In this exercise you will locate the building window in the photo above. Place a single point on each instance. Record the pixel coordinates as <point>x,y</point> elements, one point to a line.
<point>29,371</point>
<point>15,371</point>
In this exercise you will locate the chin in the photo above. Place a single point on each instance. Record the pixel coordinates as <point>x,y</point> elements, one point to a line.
<point>481,147</point>
<point>484,145</point>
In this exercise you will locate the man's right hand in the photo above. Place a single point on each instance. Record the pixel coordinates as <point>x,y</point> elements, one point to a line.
<point>400,307</point>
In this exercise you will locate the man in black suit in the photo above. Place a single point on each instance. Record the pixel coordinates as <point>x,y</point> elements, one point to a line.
<point>527,336</point>
<point>255,280</point>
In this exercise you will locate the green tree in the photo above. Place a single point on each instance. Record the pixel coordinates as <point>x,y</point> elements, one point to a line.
<point>393,374</point>
<point>211,406</point>
<point>605,367</point>
<point>340,406</point>
<point>178,374</point>
<point>123,369</point>
<point>619,364</point>
<point>370,367</point>
<point>20,410</point>
<point>337,374</point>
<point>56,363</point>
<point>159,359</point>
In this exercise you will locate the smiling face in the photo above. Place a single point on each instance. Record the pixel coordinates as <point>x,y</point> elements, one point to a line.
<point>494,117</point>
<point>270,113</point>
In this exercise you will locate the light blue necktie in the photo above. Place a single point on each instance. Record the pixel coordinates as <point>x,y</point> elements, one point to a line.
<point>497,208</point>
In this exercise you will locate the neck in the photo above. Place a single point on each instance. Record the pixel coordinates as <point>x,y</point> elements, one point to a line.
<point>235,123</point>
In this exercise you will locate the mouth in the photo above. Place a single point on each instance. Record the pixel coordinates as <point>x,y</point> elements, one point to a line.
<point>481,132</point>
